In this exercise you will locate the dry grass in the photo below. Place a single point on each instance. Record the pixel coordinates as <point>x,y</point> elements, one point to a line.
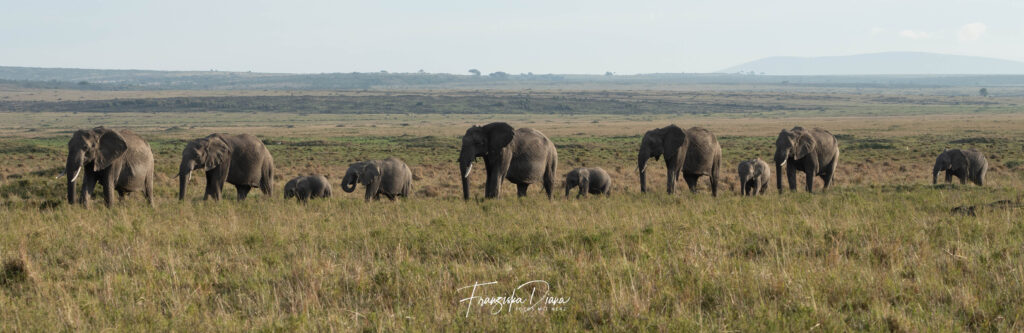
<point>881,251</point>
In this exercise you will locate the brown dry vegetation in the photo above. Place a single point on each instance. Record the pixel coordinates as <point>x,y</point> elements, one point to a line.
<point>881,251</point>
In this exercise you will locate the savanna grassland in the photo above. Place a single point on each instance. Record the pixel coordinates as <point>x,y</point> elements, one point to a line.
<point>879,251</point>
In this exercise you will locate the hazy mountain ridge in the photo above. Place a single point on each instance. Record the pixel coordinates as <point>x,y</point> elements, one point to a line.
<point>888,63</point>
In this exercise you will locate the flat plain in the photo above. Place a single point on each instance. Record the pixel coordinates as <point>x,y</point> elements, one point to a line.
<point>881,250</point>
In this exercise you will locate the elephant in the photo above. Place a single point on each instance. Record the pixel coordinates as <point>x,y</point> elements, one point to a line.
<point>814,151</point>
<point>754,176</point>
<point>524,156</point>
<point>241,160</point>
<point>390,177</point>
<point>307,187</point>
<point>589,180</point>
<point>119,160</point>
<point>964,164</point>
<point>694,153</point>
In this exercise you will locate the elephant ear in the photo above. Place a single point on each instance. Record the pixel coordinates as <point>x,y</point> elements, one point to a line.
<point>499,135</point>
<point>672,139</point>
<point>112,146</point>
<point>369,174</point>
<point>804,145</point>
<point>217,153</point>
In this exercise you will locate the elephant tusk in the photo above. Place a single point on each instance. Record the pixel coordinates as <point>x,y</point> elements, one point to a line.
<point>62,173</point>
<point>468,169</point>
<point>784,163</point>
<point>78,171</point>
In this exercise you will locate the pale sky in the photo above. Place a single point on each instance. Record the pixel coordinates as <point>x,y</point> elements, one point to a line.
<point>542,37</point>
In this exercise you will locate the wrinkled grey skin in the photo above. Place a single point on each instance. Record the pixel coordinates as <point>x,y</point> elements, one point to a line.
<point>964,164</point>
<point>118,160</point>
<point>523,156</point>
<point>754,176</point>
<point>307,187</point>
<point>813,151</point>
<point>692,153</point>
<point>589,180</point>
<point>241,160</point>
<point>389,177</point>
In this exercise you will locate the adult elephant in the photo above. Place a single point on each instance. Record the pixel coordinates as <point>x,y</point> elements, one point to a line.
<point>119,160</point>
<point>389,177</point>
<point>694,152</point>
<point>241,160</point>
<point>964,164</point>
<point>523,156</point>
<point>814,151</point>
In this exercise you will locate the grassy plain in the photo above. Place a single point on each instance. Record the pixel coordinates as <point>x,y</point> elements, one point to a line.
<point>880,251</point>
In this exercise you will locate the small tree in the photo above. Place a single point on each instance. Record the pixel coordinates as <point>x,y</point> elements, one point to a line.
<point>608,73</point>
<point>475,72</point>
<point>983,92</point>
<point>498,75</point>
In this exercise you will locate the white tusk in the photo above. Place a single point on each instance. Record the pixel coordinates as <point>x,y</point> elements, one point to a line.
<point>784,163</point>
<point>77,171</point>
<point>468,169</point>
<point>188,177</point>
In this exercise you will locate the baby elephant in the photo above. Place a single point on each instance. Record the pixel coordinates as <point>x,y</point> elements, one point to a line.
<point>754,175</point>
<point>589,180</point>
<point>306,187</point>
<point>390,177</point>
<point>968,164</point>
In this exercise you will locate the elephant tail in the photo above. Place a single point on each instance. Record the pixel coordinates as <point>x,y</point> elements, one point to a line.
<point>267,181</point>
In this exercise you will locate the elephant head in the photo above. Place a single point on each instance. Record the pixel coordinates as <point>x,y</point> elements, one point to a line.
<point>99,147</point>
<point>290,189</point>
<point>366,173</point>
<point>579,177</point>
<point>666,141</point>
<point>950,159</point>
<point>207,153</point>
<point>791,144</point>
<point>487,142</point>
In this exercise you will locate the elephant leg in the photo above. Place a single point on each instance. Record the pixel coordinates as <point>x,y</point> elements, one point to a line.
<point>549,184</point>
<point>671,185</point>
<point>714,185</point>
<point>521,189</point>
<point>791,176</point>
<point>243,191</point>
<point>108,190</point>
<point>148,189</point>
<point>949,177</point>
<point>754,189</point>
<point>810,181</point>
<point>121,195</point>
<point>88,187</point>
<point>391,196</point>
<point>691,182</point>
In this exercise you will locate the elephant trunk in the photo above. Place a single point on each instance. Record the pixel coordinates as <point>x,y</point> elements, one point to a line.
<point>935,176</point>
<point>348,184</point>
<point>184,175</point>
<point>778,175</point>
<point>465,167</point>
<point>641,165</point>
<point>567,188</point>
<point>72,170</point>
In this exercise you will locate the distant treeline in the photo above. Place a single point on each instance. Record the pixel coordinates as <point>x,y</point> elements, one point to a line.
<point>463,103</point>
<point>90,79</point>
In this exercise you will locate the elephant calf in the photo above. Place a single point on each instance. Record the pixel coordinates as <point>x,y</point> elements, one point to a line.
<point>964,164</point>
<point>589,180</point>
<point>390,177</point>
<point>754,175</point>
<point>307,187</point>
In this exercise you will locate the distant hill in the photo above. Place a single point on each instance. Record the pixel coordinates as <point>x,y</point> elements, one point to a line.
<point>889,63</point>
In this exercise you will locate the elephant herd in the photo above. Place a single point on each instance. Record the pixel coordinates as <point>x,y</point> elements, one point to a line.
<point>122,162</point>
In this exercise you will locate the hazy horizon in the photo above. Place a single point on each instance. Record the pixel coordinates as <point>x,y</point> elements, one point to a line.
<point>565,37</point>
